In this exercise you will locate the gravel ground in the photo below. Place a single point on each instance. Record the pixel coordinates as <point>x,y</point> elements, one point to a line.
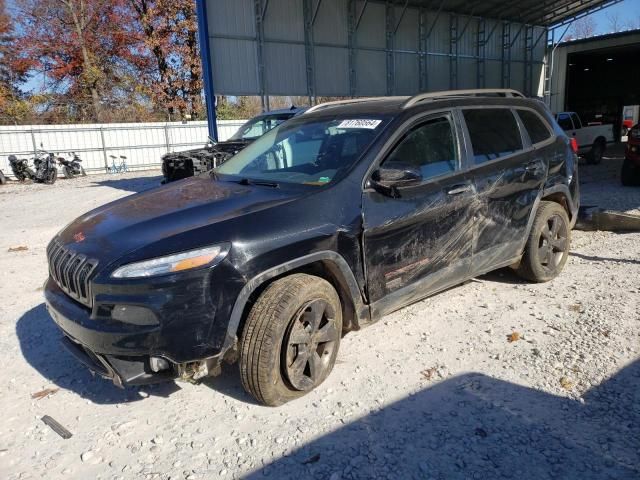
<point>434,391</point>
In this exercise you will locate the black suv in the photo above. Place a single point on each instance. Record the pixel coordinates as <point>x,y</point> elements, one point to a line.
<point>179,165</point>
<point>322,226</point>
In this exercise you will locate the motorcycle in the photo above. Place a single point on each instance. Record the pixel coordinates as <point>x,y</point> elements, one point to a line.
<point>72,167</point>
<point>46,171</point>
<point>21,169</point>
<point>3,179</point>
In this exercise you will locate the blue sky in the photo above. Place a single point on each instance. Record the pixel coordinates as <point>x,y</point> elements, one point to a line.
<point>628,10</point>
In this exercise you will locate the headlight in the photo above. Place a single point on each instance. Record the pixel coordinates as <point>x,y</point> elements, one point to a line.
<point>178,262</point>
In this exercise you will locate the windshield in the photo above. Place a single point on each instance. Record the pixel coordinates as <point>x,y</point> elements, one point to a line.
<point>310,153</point>
<point>259,126</point>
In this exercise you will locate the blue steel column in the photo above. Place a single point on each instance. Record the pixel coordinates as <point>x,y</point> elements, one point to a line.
<point>207,72</point>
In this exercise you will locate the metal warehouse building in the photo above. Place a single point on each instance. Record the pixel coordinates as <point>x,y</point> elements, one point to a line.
<point>350,48</point>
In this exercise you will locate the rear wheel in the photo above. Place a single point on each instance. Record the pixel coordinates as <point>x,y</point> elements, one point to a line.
<point>291,339</point>
<point>594,157</point>
<point>547,248</point>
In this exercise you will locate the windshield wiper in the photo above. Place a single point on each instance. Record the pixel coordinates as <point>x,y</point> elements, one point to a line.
<point>263,183</point>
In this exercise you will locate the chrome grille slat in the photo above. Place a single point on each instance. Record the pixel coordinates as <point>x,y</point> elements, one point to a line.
<point>71,271</point>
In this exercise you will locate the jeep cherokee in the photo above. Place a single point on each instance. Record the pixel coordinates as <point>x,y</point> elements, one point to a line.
<point>321,227</point>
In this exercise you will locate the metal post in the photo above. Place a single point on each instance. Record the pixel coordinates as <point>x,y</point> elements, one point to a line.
<point>481,52</point>
<point>351,39</point>
<point>309,16</point>
<point>205,55</point>
<point>453,52</point>
<point>259,13</point>
<point>506,54</point>
<point>104,150</point>
<point>166,137</point>
<point>422,50</point>
<point>33,141</point>
<point>390,36</point>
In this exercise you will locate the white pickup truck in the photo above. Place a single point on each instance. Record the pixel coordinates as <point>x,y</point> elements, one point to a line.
<point>592,139</point>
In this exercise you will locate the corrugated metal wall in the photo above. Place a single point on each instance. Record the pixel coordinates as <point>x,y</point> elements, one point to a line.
<point>362,48</point>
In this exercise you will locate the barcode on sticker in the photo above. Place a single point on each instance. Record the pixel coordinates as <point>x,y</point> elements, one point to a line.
<point>362,123</point>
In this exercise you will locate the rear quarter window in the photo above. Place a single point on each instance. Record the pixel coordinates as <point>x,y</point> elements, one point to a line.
<point>494,133</point>
<point>535,126</point>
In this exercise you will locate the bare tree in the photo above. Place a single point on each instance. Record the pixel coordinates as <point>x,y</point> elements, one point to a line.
<point>614,22</point>
<point>582,28</point>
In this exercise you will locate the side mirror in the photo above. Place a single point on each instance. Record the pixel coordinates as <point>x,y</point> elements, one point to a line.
<point>397,175</point>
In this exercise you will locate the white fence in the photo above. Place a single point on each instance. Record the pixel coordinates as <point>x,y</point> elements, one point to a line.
<point>142,143</point>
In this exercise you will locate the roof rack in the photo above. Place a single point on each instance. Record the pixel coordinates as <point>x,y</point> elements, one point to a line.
<point>322,106</point>
<point>500,92</point>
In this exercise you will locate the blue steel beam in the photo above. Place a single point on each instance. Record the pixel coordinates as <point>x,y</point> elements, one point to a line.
<point>207,72</point>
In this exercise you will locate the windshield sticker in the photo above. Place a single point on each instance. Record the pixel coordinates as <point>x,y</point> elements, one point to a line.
<point>361,123</point>
<point>324,180</point>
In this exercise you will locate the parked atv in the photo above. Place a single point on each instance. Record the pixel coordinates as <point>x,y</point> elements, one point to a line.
<point>21,169</point>
<point>72,168</point>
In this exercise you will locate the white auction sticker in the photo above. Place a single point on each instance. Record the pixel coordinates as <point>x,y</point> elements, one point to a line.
<point>361,123</point>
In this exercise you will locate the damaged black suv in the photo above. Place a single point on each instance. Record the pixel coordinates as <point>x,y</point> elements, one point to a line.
<point>321,227</point>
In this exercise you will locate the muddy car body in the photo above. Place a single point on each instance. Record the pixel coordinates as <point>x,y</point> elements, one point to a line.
<point>179,165</point>
<point>321,227</point>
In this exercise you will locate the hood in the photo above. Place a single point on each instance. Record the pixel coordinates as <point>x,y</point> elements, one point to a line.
<point>162,215</point>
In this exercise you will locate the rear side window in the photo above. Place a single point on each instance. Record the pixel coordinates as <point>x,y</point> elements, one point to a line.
<point>494,133</point>
<point>429,147</point>
<point>564,120</point>
<point>538,131</point>
<point>576,120</point>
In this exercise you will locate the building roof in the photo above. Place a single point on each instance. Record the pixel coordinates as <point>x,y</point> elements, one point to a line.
<point>532,12</point>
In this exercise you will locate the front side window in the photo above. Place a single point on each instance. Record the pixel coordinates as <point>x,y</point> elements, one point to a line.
<point>537,129</point>
<point>305,152</point>
<point>429,147</point>
<point>564,120</point>
<point>494,133</point>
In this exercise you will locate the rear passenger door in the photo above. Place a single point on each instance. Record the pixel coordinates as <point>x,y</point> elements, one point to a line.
<point>508,176</point>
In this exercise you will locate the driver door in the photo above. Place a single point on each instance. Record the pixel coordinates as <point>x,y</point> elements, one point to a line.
<point>419,240</point>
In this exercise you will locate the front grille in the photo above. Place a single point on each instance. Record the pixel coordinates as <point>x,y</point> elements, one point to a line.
<point>71,271</point>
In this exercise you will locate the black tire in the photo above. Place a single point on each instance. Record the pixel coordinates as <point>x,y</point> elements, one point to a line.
<point>594,157</point>
<point>29,174</point>
<point>68,172</point>
<point>82,171</point>
<point>51,177</point>
<point>630,174</point>
<point>3,179</point>
<point>282,342</point>
<point>547,248</point>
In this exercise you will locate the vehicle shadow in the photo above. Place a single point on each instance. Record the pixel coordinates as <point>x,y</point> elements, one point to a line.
<point>605,259</point>
<point>503,275</point>
<point>477,427</point>
<point>134,185</point>
<point>40,345</point>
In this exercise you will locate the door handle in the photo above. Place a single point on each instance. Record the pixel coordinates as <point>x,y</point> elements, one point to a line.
<point>460,189</point>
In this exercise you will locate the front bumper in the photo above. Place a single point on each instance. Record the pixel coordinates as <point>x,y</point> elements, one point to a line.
<point>182,319</point>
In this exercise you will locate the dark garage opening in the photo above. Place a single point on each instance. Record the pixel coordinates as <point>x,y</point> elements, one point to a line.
<point>600,83</point>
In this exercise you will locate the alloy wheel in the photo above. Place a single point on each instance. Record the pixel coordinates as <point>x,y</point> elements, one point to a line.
<point>309,342</point>
<point>553,243</point>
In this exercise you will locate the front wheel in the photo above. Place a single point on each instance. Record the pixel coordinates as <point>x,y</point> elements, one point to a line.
<point>3,179</point>
<point>68,172</point>
<point>51,176</point>
<point>291,338</point>
<point>547,248</point>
